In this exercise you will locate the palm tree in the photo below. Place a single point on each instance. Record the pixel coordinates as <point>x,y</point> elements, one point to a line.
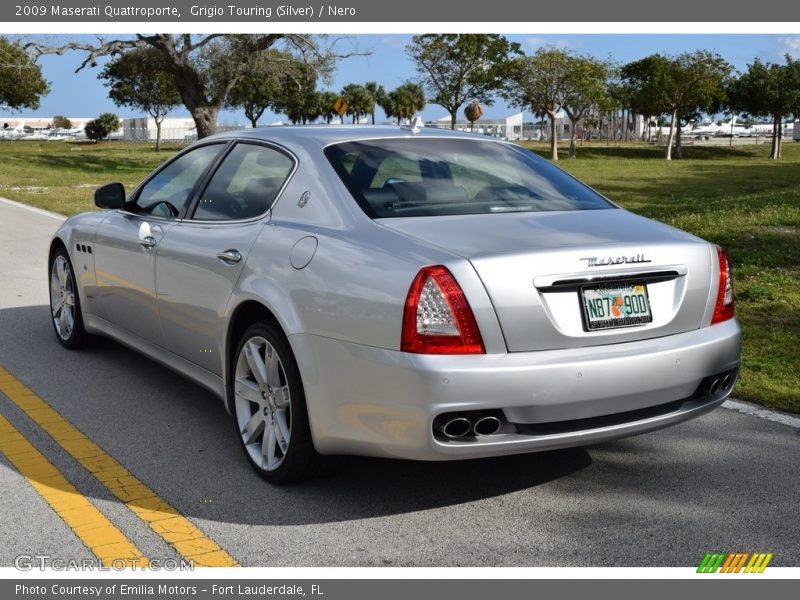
<point>377,93</point>
<point>359,102</point>
<point>406,100</point>
<point>325,102</point>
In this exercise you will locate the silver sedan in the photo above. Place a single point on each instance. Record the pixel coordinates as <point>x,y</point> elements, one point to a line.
<point>399,292</point>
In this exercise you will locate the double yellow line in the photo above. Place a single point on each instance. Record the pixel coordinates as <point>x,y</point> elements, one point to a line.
<point>102,538</point>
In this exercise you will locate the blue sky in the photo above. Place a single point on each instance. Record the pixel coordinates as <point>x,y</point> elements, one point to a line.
<point>83,95</point>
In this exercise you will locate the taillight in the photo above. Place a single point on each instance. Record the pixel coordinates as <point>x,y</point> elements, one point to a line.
<point>437,318</point>
<point>723,310</point>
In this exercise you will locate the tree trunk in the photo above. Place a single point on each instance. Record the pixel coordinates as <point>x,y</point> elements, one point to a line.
<point>158,132</point>
<point>678,141</point>
<point>373,117</point>
<point>553,137</point>
<point>777,136</point>
<point>572,149</point>
<point>205,119</point>
<point>671,134</point>
<point>774,149</point>
<point>453,118</point>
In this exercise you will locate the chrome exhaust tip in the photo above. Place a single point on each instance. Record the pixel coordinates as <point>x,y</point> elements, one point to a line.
<point>726,381</point>
<point>486,425</point>
<point>715,385</point>
<point>455,427</point>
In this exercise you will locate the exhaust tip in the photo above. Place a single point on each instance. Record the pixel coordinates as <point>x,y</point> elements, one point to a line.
<point>455,428</point>
<point>726,381</point>
<point>715,385</point>
<point>488,425</point>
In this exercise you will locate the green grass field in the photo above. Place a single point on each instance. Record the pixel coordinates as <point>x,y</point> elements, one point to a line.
<point>732,196</point>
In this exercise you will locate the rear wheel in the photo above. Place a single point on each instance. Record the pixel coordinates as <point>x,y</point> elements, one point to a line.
<point>65,304</point>
<point>270,407</point>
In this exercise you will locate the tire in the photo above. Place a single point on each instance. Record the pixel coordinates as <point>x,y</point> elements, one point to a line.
<point>65,303</point>
<point>269,408</point>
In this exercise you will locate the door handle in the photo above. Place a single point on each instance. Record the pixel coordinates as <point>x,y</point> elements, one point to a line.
<point>148,241</point>
<point>230,257</point>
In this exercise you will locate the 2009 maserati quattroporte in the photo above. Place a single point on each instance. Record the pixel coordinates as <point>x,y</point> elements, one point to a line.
<point>399,292</point>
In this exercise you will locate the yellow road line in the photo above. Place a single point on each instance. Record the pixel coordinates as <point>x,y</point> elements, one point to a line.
<point>189,541</point>
<point>104,540</point>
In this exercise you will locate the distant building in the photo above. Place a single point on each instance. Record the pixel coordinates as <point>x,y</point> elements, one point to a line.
<point>510,127</point>
<point>514,127</point>
<point>40,123</point>
<point>143,129</point>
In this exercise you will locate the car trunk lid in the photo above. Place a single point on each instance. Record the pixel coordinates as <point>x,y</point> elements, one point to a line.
<point>538,268</point>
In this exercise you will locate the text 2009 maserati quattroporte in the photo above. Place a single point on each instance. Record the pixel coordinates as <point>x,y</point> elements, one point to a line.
<point>399,292</point>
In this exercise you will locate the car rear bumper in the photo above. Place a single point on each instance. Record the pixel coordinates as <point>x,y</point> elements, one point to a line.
<point>366,400</point>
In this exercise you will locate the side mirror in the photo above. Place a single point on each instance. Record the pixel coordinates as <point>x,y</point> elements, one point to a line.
<point>111,195</point>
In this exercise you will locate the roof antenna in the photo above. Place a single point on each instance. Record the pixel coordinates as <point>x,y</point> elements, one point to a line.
<point>415,126</point>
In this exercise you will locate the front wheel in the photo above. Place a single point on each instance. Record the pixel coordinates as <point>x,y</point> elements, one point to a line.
<point>65,304</point>
<point>270,407</point>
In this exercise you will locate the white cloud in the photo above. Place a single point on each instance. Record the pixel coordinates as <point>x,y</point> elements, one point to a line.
<point>791,45</point>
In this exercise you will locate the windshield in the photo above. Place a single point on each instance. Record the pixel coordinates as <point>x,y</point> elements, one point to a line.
<point>422,177</point>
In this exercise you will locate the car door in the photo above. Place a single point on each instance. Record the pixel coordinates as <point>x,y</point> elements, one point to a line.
<point>201,258</point>
<point>126,244</point>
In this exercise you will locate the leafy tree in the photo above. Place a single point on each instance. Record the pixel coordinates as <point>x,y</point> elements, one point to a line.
<point>139,79</point>
<point>297,96</point>
<point>60,122</point>
<point>359,101</point>
<point>459,68</point>
<point>680,86</point>
<point>542,82</point>
<point>95,131</point>
<point>261,87</point>
<point>101,127</point>
<point>205,68</point>
<point>377,94</point>
<point>586,87</point>
<point>768,90</point>
<point>404,101</point>
<point>21,81</point>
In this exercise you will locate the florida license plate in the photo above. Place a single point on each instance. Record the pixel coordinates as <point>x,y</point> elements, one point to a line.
<point>612,305</point>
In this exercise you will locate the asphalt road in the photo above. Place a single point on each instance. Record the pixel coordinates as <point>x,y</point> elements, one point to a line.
<point>724,482</point>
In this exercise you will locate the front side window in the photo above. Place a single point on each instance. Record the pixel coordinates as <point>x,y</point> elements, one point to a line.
<point>415,177</point>
<point>168,192</point>
<point>245,185</point>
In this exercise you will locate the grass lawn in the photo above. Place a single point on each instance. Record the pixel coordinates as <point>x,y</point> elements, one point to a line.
<point>62,177</point>
<point>732,196</point>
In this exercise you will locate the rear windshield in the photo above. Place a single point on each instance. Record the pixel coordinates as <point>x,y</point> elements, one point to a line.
<point>423,177</point>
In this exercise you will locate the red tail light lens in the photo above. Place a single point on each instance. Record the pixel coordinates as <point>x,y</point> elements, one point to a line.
<point>437,318</point>
<point>723,310</point>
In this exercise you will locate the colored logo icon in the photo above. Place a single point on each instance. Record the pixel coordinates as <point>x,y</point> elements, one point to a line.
<point>735,562</point>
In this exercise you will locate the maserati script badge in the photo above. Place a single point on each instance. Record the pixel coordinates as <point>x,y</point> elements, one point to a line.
<point>594,261</point>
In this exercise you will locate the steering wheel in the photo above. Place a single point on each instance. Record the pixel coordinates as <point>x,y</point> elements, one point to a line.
<point>163,208</point>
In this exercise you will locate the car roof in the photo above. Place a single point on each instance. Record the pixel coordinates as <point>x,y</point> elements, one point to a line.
<point>324,135</point>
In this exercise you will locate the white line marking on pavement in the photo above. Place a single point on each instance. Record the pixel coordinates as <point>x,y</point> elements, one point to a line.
<point>40,211</point>
<point>762,413</point>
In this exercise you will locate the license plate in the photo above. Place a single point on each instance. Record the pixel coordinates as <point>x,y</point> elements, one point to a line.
<point>612,305</point>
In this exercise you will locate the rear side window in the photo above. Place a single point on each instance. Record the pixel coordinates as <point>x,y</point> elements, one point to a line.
<point>245,185</point>
<point>416,177</point>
